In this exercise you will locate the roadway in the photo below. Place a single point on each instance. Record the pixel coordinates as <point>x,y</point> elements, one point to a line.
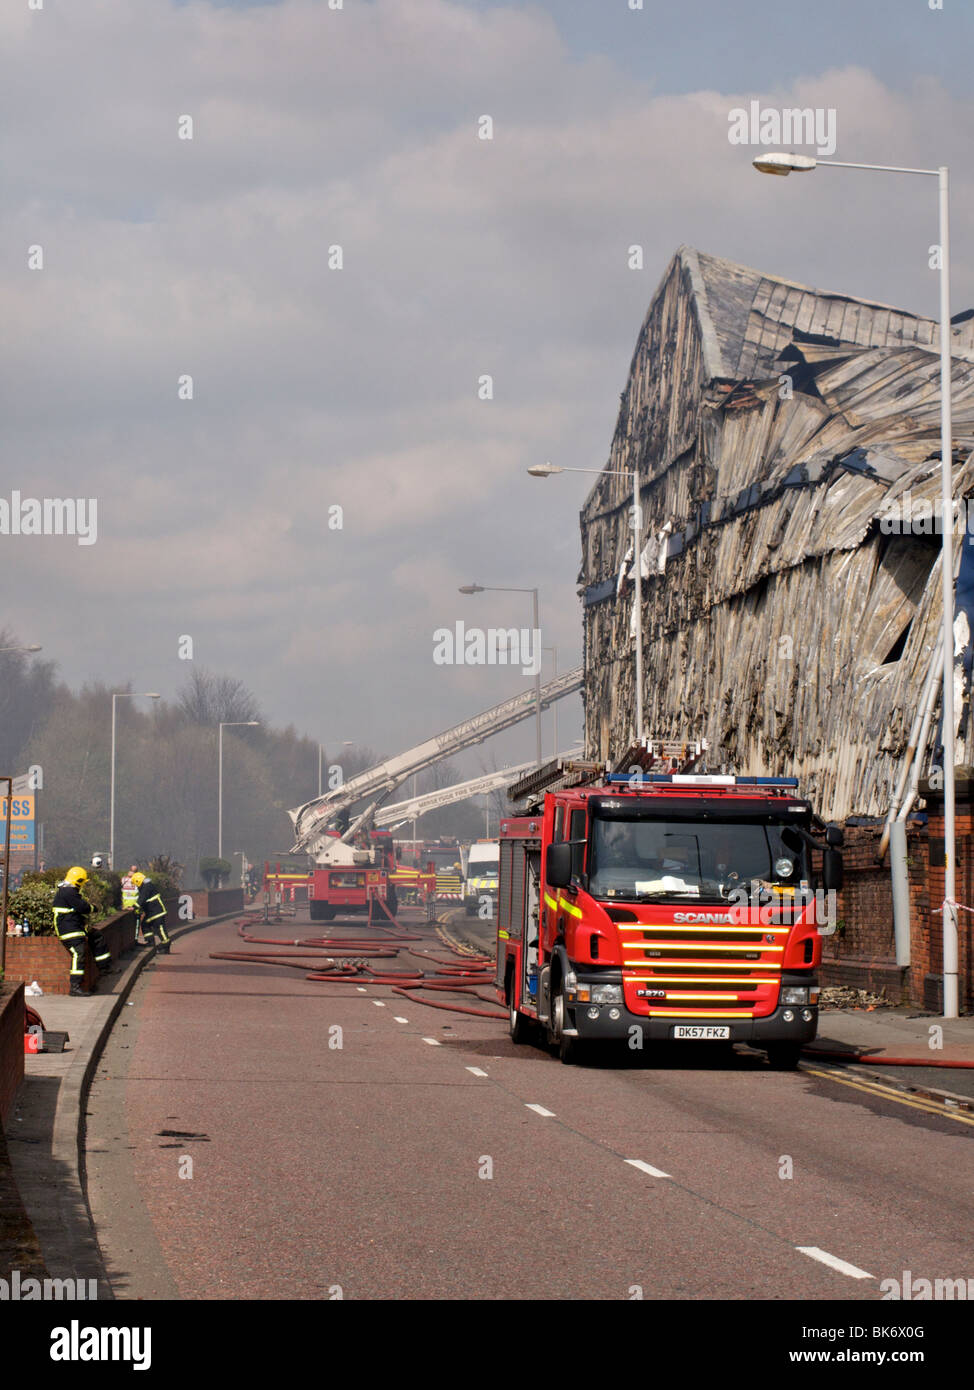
<point>427,1157</point>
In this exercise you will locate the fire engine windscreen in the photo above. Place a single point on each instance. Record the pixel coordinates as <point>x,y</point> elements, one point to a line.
<point>643,860</point>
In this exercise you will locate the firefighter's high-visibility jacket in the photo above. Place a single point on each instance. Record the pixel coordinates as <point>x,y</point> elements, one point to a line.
<point>153,909</point>
<point>71,912</point>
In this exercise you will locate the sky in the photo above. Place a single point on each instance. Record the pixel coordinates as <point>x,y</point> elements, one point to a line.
<point>316,387</point>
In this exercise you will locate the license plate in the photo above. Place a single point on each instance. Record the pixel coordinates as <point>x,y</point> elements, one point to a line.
<point>696,1031</point>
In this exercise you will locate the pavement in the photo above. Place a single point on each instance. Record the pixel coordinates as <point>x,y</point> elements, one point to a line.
<point>50,1225</point>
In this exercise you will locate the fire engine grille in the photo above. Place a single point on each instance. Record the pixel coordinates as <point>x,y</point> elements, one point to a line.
<point>702,971</point>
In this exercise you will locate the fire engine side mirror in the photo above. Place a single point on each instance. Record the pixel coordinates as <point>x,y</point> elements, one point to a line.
<point>834,836</point>
<point>558,865</point>
<point>831,870</point>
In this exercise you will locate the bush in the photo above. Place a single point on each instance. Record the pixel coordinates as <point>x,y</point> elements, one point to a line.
<point>165,883</point>
<point>31,903</point>
<point>164,866</point>
<point>100,892</point>
<point>213,870</point>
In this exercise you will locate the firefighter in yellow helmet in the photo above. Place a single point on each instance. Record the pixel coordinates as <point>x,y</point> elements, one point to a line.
<point>71,913</point>
<point>153,911</point>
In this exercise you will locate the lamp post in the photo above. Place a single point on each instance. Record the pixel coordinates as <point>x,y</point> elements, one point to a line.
<point>226,724</point>
<point>6,875</point>
<point>346,743</point>
<point>120,695</point>
<point>554,704</point>
<point>33,648</point>
<point>782,165</point>
<point>496,589</point>
<point>545,470</point>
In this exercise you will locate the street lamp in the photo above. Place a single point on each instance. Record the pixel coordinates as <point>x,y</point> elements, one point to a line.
<point>227,724</point>
<point>121,695</point>
<point>346,743</point>
<point>784,164</point>
<point>495,589</point>
<point>33,648</point>
<point>545,470</point>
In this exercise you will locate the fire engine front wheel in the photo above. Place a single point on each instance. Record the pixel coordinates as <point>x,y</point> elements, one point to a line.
<point>518,1026</point>
<point>566,1049</point>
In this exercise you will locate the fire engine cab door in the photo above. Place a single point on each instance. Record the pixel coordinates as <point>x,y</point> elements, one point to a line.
<point>532,930</point>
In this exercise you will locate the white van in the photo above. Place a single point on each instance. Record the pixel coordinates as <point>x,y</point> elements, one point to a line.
<point>482,867</point>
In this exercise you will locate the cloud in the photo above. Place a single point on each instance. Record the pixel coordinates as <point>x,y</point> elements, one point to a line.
<point>359,386</point>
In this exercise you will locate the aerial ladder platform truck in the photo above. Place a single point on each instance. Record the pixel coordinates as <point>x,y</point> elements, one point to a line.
<point>651,904</point>
<point>350,847</point>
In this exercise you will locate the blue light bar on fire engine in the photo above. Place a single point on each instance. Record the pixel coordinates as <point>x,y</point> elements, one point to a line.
<point>702,780</point>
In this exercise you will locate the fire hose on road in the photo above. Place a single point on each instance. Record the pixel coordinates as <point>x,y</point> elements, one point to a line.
<point>345,960</point>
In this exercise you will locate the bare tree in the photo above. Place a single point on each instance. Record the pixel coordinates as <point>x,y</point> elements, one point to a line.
<point>207,698</point>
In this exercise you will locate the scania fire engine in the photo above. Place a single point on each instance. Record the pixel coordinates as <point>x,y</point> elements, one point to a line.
<point>648,906</point>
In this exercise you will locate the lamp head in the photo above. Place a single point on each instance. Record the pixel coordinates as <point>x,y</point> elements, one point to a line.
<point>783,164</point>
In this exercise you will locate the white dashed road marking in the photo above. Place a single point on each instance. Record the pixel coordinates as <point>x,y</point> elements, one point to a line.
<point>540,1110</point>
<point>646,1168</point>
<point>833,1262</point>
<point>476,1071</point>
<point>401,1020</point>
<point>378,1003</point>
<point>433,1042</point>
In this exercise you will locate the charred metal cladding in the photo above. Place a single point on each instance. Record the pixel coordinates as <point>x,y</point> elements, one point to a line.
<point>788,449</point>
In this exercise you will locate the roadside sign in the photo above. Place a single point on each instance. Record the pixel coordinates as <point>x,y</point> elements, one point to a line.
<point>21,821</point>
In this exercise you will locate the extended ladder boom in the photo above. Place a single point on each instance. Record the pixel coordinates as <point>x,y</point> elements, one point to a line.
<point>377,782</point>
<point>404,811</point>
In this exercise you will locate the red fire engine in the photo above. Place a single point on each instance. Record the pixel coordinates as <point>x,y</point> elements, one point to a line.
<point>346,889</point>
<point>648,906</point>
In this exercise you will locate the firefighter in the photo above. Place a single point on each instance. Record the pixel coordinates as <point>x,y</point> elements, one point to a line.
<point>153,911</point>
<point>71,912</point>
<point>130,897</point>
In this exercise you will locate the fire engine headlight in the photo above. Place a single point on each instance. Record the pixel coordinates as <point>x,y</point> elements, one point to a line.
<point>606,994</point>
<point>794,994</point>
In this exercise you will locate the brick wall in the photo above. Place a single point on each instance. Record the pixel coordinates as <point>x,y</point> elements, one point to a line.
<point>862,953</point>
<point>44,959</point>
<point>40,958</point>
<point>11,1044</point>
<point>213,903</point>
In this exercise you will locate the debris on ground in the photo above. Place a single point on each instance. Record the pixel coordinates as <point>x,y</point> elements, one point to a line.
<point>846,997</point>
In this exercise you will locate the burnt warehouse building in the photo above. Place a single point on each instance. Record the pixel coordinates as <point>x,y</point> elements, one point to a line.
<point>787,442</point>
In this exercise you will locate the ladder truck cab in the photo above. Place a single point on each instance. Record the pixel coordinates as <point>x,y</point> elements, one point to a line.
<point>480,879</point>
<point>348,876</point>
<point>651,906</point>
